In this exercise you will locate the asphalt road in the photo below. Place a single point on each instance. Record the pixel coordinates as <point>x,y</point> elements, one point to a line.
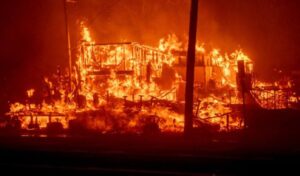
<point>139,155</point>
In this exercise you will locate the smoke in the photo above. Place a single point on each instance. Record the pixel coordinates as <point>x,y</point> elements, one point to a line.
<point>147,21</point>
<point>142,21</point>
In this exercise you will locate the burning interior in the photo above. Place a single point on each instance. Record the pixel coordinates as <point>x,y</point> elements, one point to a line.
<point>133,88</point>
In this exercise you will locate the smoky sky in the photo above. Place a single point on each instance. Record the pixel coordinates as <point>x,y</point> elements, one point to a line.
<point>33,40</point>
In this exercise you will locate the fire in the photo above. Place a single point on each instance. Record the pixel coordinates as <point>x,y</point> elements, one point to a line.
<point>277,95</point>
<point>129,87</point>
<point>85,33</point>
<point>16,107</point>
<point>30,92</point>
<point>170,43</point>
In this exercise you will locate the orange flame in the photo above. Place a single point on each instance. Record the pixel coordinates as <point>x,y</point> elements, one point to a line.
<point>130,83</point>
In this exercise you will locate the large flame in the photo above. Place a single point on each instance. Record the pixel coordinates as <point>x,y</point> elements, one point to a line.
<point>128,83</point>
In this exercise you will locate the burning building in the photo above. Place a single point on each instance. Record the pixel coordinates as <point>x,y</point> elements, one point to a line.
<point>133,88</point>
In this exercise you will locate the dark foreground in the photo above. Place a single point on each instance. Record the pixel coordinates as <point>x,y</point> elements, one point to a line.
<point>142,155</point>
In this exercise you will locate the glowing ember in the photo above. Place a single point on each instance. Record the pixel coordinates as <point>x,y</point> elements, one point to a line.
<point>30,93</point>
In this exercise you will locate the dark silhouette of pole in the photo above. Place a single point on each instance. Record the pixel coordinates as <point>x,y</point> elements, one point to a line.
<point>68,43</point>
<point>189,88</point>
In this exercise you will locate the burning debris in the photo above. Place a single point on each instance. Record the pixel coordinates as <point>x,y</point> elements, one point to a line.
<point>129,87</point>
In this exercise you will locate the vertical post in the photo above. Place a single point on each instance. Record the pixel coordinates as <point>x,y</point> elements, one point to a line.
<point>189,90</point>
<point>116,58</point>
<point>125,100</point>
<point>141,99</point>
<point>242,86</point>
<point>68,43</point>
<point>124,57</point>
<point>227,122</point>
<point>274,99</point>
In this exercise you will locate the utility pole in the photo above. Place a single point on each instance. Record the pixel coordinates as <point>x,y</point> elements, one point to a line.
<point>68,43</point>
<point>189,88</point>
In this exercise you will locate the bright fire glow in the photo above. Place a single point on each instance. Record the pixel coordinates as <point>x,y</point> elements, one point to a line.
<point>127,87</point>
